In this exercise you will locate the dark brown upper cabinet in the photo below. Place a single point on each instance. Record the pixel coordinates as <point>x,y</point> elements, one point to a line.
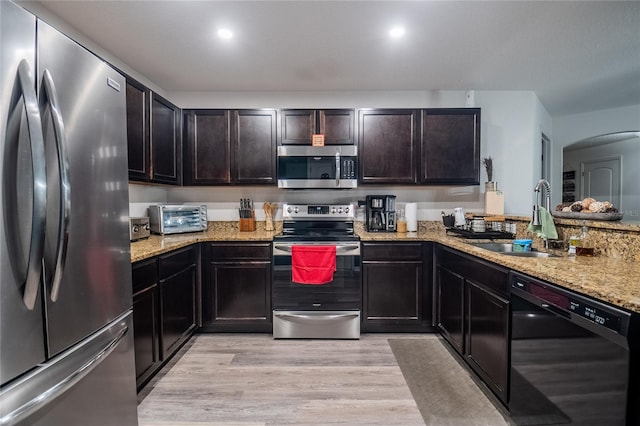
<point>207,147</point>
<point>254,146</point>
<point>298,125</point>
<point>138,131</point>
<point>388,145</point>
<point>164,141</point>
<point>450,146</point>
<point>229,147</point>
<point>153,134</point>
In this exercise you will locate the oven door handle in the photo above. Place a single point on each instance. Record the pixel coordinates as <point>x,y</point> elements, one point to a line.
<point>341,249</point>
<point>316,317</point>
<point>338,168</point>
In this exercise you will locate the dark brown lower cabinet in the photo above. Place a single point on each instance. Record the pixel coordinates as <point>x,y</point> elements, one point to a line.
<point>164,308</point>
<point>395,297</point>
<point>146,312</point>
<point>178,295</point>
<point>487,345</point>
<point>237,287</point>
<point>473,314</point>
<point>451,307</point>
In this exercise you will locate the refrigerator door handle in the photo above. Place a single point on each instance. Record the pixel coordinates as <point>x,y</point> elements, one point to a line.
<point>26,86</point>
<point>32,406</point>
<point>51,96</point>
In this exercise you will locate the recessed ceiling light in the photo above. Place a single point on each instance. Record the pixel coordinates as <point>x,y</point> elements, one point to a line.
<point>396,32</point>
<point>225,34</point>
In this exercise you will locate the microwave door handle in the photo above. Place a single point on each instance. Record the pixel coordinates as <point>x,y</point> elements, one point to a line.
<point>65,184</point>
<point>26,87</point>
<point>337,168</point>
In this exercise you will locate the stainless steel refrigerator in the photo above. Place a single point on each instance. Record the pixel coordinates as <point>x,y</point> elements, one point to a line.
<point>66,333</point>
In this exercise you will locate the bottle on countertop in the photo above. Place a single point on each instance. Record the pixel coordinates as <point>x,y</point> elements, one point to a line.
<point>401,222</point>
<point>585,246</point>
<point>573,243</point>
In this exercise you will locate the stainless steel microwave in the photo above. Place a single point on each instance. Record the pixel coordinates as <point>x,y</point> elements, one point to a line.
<point>177,218</point>
<point>333,167</point>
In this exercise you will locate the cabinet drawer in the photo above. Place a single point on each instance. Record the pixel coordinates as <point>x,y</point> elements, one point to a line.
<point>176,261</point>
<point>144,274</point>
<point>480,272</point>
<point>255,251</point>
<point>392,251</point>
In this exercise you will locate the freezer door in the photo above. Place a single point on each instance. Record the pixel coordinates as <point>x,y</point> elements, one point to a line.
<point>92,383</point>
<point>87,254</point>
<point>22,214</point>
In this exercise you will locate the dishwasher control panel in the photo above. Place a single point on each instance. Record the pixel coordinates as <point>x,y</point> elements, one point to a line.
<point>565,302</point>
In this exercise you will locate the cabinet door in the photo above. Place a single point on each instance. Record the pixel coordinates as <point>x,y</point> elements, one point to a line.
<point>207,147</point>
<point>146,319</point>
<point>451,307</point>
<point>487,343</point>
<point>178,300</point>
<point>297,126</point>
<point>391,291</point>
<point>145,332</point>
<point>388,147</point>
<point>137,131</point>
<point>241,291</point>
<point>254,146</point>
<point>337,126</point>
<point>450,146</point>
<point>165,141</point>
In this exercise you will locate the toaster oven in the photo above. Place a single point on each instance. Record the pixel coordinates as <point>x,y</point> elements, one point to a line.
<point>177,218</point>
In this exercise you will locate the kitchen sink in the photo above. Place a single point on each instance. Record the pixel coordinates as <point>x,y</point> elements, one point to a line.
<point>508,249</point>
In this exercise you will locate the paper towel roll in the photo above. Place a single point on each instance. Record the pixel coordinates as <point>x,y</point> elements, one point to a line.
<point>411,213</point>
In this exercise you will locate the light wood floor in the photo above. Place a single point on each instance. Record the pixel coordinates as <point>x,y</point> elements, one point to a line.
<point>240,379</point>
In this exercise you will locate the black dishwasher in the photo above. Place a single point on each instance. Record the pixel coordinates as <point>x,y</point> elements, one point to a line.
<point>571,362</point>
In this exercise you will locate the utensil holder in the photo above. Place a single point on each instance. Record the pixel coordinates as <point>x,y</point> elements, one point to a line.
<point>268,222</point>
<point>448,220</point>
<point>248,224</point>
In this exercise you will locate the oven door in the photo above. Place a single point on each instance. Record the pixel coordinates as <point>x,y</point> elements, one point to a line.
<point>330,310</point>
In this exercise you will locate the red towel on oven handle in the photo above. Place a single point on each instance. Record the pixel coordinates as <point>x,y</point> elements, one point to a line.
<point>313,264</point>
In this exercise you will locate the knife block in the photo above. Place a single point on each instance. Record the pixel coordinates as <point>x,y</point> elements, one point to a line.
<point>248,224</point>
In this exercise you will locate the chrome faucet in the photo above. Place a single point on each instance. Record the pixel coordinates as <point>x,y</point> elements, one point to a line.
<point>536,207</point>
<point>547,204</point>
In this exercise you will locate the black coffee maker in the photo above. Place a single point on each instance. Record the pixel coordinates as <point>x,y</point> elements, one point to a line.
<point>381,213</point>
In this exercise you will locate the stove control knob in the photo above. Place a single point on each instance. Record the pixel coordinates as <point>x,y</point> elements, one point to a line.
<point>333,210</point>
<point>339,209</point>
<point>136,228</point>
<point>296,210</point>
<point>346,210</point>
<point>289,209</point>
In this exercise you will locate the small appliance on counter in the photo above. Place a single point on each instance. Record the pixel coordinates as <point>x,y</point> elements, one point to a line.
<point>381,213</point>
<point>139,228</point>
<point>177,218</point>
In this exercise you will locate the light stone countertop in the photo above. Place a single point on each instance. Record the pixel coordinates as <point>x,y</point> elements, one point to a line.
<point>611,280</point>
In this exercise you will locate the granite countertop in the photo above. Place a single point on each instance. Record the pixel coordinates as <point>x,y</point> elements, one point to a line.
<point>158,244</point>
<point>611,280</point>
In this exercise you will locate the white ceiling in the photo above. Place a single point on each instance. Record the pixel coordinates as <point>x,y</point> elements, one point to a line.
<point>578,56</point>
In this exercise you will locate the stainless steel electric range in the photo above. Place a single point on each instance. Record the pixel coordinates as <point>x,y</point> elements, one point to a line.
<point>330,310</point>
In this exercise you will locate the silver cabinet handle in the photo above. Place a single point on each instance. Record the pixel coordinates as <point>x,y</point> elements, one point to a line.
<point>65,183</point>
<point>26,85</point>
<point>27,409</point>
<point>337,168</point>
